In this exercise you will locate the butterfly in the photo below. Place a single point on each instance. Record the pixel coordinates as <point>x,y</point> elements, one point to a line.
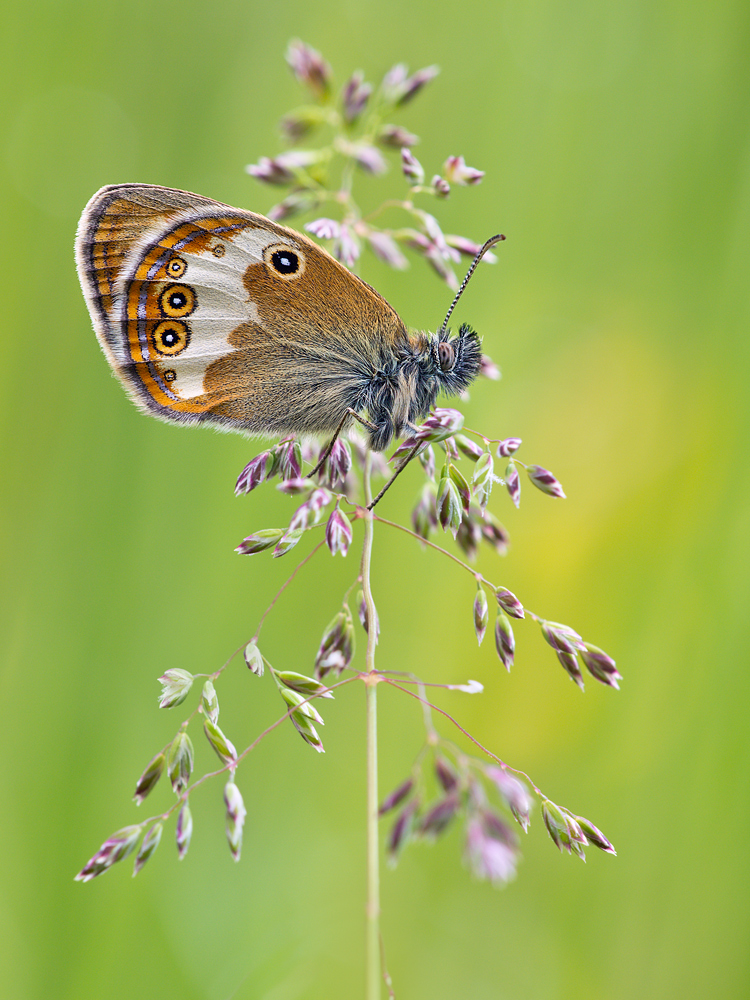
<point>212,314</point>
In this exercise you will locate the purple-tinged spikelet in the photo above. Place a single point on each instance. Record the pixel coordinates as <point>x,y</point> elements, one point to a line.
<point>505,642</point>
<point>183,830</point>
<point>508,446</point>
<point>235,818</point>
<point>513,483</point>
<point>114,849</point>
<point>149,778</point>
<point>544,481</point>
<point>481,614</point>
<point>509,602</point>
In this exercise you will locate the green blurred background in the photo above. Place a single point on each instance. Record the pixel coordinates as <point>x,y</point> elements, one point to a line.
<point>615,142</point>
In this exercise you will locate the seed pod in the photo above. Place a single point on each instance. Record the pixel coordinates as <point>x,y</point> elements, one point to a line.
<point>306,686</point>
<point>385,247</point>
<point>255,473</point>
<point>563,828</point>
<point>310,68</point>
<point>362,614</point>
<point>514,793</point>
<point>338,532</point>
<point>210,702</point>
<point>562,638</point>
<point>296,700</point>
<point>470,449</point>
<point>395,136</point>
<point>396,797</point>
<point>440,186</point>
<point>149,845</point>
<point>319,500</point>
<point>289,456</point>
<point>401,831</point>
<point>427,460</point>
<point>570,665</point>
<point>469,533</point>
<point>114,849</point>
<point>337,646</point>
<point>259,541</point>
<point>509,602</point>
<point>446,774</point>
<point>448,503</point>
<point>505,642</point>
<point>176,684</point>
<point>483,479</point>
<point>513,483</point>
<point>481,614</point>
<point>287,542</point>
<point>443,421</point>
<point>544,481</point>
<point>436,820</point>
<point>424,516</point>
<point>461,485</point>
<point>595,836</point>
<point>293,204</point>
<point>307,731</point>
<point>600,666</point>
<point>411,166</point>
<point>340,461</point>
<point>184,830</point>
<point>253,659</point>
<point>458,172</point>
<point>149,778</point>
<point>225,749</point>
<point>296,124</point>
<point>180,757</point>
<point>235,819</point>
<point>411,86</point>
<point>507,447</point>
<point>292,487</point>
<point>488,856</point>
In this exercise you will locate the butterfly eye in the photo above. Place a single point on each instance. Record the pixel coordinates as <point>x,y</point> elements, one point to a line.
<point>177,300</point>
<point>446,356</point>
<point>171,337</point>
<point>176,267</point>
<point>287,263</point>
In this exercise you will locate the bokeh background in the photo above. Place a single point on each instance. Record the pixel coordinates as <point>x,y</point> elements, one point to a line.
<point>614,136</point>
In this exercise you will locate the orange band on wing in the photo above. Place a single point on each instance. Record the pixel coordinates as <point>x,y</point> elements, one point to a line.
<point>144,309</point>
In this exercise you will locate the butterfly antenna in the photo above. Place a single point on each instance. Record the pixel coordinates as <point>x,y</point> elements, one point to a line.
<point>490,243</point>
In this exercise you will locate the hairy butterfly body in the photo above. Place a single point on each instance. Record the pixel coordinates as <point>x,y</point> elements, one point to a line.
<point>211,314</point>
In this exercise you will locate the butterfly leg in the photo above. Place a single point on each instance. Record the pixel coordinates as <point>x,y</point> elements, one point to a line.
<point>329,447</point>
<point>399,468</point>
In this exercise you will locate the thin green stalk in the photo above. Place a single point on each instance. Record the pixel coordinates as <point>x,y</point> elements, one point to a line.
<point>372,912</point>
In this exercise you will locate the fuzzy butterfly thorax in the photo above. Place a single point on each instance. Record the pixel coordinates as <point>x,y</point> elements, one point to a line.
<point>211,314</point>
<point>407,385</point>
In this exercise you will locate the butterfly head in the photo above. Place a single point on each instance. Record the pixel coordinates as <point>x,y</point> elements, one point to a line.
<point>429,364</point>
<point>407,384</point>
<point>458,358</point>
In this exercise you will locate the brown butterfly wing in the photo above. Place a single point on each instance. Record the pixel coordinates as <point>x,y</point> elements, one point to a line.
<point>200,324</point>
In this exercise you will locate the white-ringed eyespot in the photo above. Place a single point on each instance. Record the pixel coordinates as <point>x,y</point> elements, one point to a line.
<point>177,300</point>
<point>170,337</point>
<point>176,267</point>
<point>283,261</point>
